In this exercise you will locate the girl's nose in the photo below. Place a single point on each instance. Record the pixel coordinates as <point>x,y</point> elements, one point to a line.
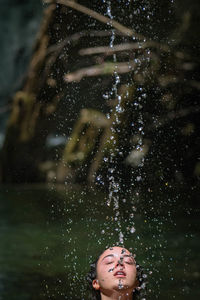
<point>120,262</point>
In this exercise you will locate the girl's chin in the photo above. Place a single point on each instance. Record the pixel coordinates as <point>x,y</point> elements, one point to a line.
<point>121,286</point>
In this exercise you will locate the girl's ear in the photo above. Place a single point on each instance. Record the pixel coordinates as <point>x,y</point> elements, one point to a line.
<point>95,284</point>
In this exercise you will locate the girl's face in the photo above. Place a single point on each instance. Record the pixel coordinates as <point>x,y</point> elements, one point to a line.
<point>116,270</point>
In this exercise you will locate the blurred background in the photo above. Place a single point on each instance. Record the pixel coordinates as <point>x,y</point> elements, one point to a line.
<point>99,143</point>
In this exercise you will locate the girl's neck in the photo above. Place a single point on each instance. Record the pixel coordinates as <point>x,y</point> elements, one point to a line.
<point>116,295</point>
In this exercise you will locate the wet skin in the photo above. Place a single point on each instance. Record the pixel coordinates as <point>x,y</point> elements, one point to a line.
<point>116,273</point>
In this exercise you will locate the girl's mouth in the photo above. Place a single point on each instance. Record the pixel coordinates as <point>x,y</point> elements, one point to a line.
<point>120,274</point>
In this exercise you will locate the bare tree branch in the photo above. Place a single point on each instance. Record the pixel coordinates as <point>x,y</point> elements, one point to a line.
<point>103,69</point>
<point>125,30</point>
<point>122,47</point>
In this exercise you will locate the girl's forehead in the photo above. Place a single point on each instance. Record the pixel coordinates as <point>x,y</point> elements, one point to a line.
<point>115,251</point>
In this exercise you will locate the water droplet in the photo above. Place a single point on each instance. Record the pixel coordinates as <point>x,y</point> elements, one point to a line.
<point>132,230</point>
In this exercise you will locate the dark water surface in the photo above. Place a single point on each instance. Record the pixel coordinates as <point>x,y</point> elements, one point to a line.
<point>49,236</point>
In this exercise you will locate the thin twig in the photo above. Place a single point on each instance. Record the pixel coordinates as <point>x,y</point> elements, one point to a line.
<point>121,47</point>
<point>107,49</point>
<point>103,69</point>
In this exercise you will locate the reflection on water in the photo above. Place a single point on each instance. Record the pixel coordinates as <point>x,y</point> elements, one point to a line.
<point>49,237</point>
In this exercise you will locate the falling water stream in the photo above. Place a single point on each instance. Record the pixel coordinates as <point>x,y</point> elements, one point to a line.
<point>114,198</point>
<point>114,185</point>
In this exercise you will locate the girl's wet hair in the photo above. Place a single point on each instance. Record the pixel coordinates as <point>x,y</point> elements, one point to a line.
<point>139,293</point>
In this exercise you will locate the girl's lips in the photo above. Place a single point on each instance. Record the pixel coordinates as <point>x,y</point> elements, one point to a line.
<point>120,274</point>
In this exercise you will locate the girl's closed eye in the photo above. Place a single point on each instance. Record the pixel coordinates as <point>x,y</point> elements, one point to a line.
<point>109,262</point>
<point>129,261</point>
